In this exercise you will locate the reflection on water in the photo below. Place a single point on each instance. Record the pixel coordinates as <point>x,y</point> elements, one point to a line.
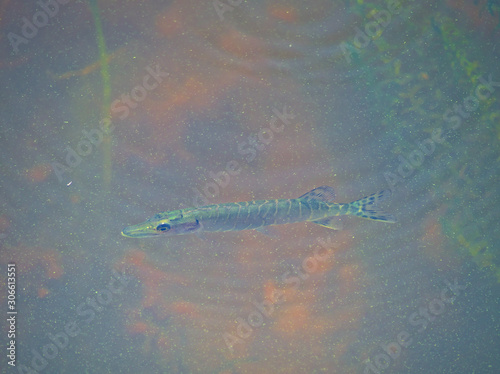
<point>235,101</point>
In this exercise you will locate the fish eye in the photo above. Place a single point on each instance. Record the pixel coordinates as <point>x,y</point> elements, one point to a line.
<point>163,227</point>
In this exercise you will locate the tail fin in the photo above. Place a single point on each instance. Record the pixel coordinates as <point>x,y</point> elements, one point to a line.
<point>366,207</point>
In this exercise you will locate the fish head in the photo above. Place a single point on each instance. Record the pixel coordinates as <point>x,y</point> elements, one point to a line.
<point>171,223</point>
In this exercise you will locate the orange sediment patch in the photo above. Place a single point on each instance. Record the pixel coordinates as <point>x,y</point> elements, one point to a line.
<point>194,91</point>
<point>169,107</point>
<point>349,275</point>
<point>242,45</point>
<point>295,315</point>
<point>46,264</point>
<point>433,232</point>
<point>293,319</point>
<point>185,308</point>
<point>154,281</point>
<point>136,325</point>
<point>141,328</point>
<point>324,264</point>
<point>163,343</point>
<point>297,321</point>
<point>173,21</point>
<point>152,295</point>
<point>52,263</point>
<point>175,96</point>
<point>147,272</point>
<point>277,295</point>
<point>433,238</point>
<point>134,257</point>
<point>38,173</point>
<point>6,64</point>
<point>270,291</point>
<point>42,292</point>
<point>283,12</point>
<point>75,198</point>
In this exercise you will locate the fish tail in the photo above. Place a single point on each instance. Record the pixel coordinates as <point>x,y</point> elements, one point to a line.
<point>367,207</point>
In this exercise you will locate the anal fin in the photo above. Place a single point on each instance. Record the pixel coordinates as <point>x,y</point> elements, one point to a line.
<point>334,223</point>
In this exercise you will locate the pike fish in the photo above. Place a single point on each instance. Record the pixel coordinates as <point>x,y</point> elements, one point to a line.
<point>316,206</point>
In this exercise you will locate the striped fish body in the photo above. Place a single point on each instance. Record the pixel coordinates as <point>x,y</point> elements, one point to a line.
<point>256,214</point>
<point>316,206</point>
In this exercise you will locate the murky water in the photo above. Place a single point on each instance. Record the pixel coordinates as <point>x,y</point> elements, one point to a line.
<point>112,112</point>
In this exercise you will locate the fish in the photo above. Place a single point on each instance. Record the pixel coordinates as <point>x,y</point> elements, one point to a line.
<point>316,206</point>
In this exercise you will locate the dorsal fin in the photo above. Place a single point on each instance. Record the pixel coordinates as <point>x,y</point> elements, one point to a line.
<point>323,193</point>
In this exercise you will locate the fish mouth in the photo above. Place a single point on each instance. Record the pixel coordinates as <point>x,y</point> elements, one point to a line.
<point>138,232</point>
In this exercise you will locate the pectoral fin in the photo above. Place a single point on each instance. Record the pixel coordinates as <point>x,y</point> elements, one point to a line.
<point>200,233</point>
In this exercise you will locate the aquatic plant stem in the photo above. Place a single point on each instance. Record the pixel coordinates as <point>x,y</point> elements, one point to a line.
<point>107,165</point>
